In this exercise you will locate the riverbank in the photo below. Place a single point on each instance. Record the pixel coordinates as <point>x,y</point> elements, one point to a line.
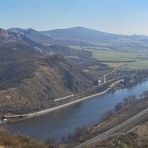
<point>111,125</point>
<point>39,113</point>
<point>64,102</point>
<point>118,129</point>
<point>64,121</point>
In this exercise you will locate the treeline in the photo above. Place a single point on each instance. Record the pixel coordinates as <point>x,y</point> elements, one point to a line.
<point>130,99</point>
<point>126,101</point>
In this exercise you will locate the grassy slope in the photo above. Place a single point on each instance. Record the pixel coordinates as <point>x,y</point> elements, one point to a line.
<point>123,114</point>
<point>16,141</point>
<point>139,64</point>
<point>137,137</point>
<point>111,56</point>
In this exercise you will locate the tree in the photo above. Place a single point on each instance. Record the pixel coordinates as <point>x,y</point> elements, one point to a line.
<point>145,94</point>
<point>119,106</point>
<point>129,100</point>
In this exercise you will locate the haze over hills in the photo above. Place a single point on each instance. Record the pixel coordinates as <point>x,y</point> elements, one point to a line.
<point>35,40</point>
<point>44,39</point>
<point>33,35</point>
<point>81,36</point>
<point>87,34</point>
<point>14,37</point>
<point>80,33</point>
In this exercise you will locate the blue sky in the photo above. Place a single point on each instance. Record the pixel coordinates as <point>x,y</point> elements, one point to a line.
<point>117,16</point>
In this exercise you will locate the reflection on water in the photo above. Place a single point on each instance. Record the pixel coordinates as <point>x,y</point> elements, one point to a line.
<point>64,121</point>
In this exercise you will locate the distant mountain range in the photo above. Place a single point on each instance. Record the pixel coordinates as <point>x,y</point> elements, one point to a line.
<point>8,38</point>
<point>45,39</point>
<point>90,35</point>
<point>80,33</point>
<point>35,40</point>
<point>80,36</point>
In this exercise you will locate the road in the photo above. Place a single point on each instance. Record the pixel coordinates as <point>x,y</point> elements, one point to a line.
<point>111,131</point>
<point>64,98</point>
<point>114,70</point>
<point>39,113</point>
<point>105,76</point>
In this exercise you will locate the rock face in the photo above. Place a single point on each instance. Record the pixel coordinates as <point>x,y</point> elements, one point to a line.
<point>33,35</point>
<point>42,38</point>
<point>30,80</point>
<point>6,36</point>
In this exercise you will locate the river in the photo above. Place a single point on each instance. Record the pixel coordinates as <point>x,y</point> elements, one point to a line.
<point>64,121</point>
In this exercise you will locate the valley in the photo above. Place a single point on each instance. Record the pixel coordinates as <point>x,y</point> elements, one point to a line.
<point>69,76</point>
<point>74,74</point>
<point>87,113</point>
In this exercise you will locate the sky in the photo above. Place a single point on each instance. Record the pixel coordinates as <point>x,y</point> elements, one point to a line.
<point>116,16</point>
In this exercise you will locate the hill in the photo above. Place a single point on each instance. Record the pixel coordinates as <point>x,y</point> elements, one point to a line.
<point>81,33</point>
<point>81,36</point>
<point>100,39</point>
<point>45,39</point>
<point>29,79</point>
<point>86,34</point>
<point>33,35</point>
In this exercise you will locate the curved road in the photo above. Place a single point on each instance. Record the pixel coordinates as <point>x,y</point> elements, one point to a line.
<point>114,70</point>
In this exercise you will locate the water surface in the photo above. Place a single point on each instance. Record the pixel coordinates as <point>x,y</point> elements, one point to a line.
<point>64,121</point>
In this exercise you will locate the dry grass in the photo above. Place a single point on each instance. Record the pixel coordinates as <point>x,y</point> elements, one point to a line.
<point>137,137</point>
<point>123,114</point>
<point>16,141</point>
<point>120,116</point>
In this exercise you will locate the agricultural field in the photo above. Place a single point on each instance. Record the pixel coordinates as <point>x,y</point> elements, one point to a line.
<point>112,56</point>
<point>139,64</point>
<point>116,64</point>
<point>131,60</point>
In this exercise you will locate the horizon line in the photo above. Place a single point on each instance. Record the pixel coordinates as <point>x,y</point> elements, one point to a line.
<point>62,28</point>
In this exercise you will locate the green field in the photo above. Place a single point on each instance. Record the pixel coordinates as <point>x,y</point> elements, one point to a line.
<point>138,65</point>
<point>113,58</point>
<point>117,58</point>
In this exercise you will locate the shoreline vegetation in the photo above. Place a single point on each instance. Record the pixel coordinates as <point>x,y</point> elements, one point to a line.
<point>110,85</point>
<point>115,87</point>
<point>111,119</point>
<point>82,134</point>
<point>39,113</point>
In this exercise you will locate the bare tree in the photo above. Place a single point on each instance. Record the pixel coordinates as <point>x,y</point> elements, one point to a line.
<point>119,106</point>
<point>145,94</point>
<point>129,100</point>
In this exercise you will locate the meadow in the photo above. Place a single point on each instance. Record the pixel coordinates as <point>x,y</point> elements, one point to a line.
<point>132,60</point>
